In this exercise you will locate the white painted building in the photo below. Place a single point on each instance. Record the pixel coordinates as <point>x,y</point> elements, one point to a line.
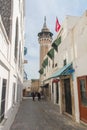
<point>66,70</point>
<point>11,60</point>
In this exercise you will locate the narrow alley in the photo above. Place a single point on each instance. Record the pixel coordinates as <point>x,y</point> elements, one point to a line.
<point>42,115</point>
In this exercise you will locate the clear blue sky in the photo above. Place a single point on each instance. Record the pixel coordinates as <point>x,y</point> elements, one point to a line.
<point>35,10</point>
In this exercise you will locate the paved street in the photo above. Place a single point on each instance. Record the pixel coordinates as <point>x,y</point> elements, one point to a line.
<point>42,115</point>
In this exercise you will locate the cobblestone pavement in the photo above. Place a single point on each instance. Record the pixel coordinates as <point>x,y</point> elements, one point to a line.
<point>42,115</point>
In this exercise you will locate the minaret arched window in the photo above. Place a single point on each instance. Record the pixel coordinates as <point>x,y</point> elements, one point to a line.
<point>16,40</point>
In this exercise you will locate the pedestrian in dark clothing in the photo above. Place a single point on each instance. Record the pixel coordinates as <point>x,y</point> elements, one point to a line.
<point>39,96</point>
<point>33,96</point>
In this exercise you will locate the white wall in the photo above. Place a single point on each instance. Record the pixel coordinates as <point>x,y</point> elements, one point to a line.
<point>9,69</point>
<point>80,56</point>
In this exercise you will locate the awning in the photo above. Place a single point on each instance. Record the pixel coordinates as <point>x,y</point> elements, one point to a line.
<point>45,62</point>
<point>66,70</point>
<point>41,71</point>
<point>56,43</point>
<point>51,53</point>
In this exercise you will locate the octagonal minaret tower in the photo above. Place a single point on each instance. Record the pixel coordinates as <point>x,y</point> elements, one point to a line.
<point>45,40</point>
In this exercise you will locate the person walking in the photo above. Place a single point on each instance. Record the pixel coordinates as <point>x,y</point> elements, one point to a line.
<point>33,96</point>
<point>39,96</point>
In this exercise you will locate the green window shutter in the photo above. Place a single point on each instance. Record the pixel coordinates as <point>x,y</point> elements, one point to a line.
<point>45,62</point>
<point>41,71</point>
<point>51,53</point>
<point>25,50</point>
<point>56,43</point>
<point>54,46</point>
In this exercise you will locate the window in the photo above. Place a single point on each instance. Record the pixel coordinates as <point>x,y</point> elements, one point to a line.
<point>83,92</point>
<point>14,86</point>
<point>2,106</point>
<point>56,65</point>
<point>52,62</point>
<point>18,97</point>
<point>19,56</point>
<point>16,40</point>
<point>64,62</point>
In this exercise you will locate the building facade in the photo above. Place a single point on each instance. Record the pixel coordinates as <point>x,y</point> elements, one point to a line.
<point>11,59</point>
<point>35,85</point>
<point>26,88</point>
<point>66,71</point>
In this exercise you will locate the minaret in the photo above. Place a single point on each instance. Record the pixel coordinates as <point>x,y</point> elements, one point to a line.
<point>45,40</point>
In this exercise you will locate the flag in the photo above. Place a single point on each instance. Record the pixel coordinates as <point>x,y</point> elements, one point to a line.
<point>57,27</point>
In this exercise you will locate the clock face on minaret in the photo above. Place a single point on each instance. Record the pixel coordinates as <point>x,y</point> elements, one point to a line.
<point>45,40</point>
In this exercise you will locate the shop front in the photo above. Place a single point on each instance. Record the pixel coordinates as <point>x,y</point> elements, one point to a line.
<point>66,92</point>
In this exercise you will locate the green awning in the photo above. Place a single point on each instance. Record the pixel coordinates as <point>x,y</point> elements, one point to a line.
<point>66,70</point>
<point>45,62</point>
<point>56,43</point>
<point>41,71</point>
<point>51,53</point>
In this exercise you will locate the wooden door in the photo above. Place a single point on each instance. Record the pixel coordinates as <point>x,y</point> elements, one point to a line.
<point>82,92</point>
<point>68,101</point>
